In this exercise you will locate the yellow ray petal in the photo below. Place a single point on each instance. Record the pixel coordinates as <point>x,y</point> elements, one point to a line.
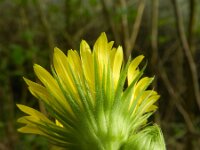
<point>110,45</point>
<point>87,64</point>
<point>112,56</point>
<point>30,129</point>
<point>149,105</point>
<point>48,81</point>
<point>146,94</point>
<point>38,91</point>
<point>142,84</point>
<point>138,87</point>
<point>28,119</point>
<point>101,52</point>
<point>118,59</point>
<point>74,61</point>
<point>101,45</point>
<point>32,112</point>
<point>152,108</point>
<point>132,70</point>
<point>51,84</point>
<point>87,61</point>
<point>61,66</point>
<point>58,123</point>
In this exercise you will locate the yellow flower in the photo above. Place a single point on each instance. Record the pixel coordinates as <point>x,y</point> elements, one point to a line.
<point>87,96</point>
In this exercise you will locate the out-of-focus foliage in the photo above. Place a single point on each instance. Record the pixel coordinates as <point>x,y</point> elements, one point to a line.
<point>166,32</point>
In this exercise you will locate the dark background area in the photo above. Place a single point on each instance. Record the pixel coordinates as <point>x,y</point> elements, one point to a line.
<point>167,32</point>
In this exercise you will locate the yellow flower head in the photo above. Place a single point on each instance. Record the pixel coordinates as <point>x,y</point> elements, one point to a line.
<point>97,101</point>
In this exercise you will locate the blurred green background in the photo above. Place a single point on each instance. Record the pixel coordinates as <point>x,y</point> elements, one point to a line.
<point>167,32</point>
